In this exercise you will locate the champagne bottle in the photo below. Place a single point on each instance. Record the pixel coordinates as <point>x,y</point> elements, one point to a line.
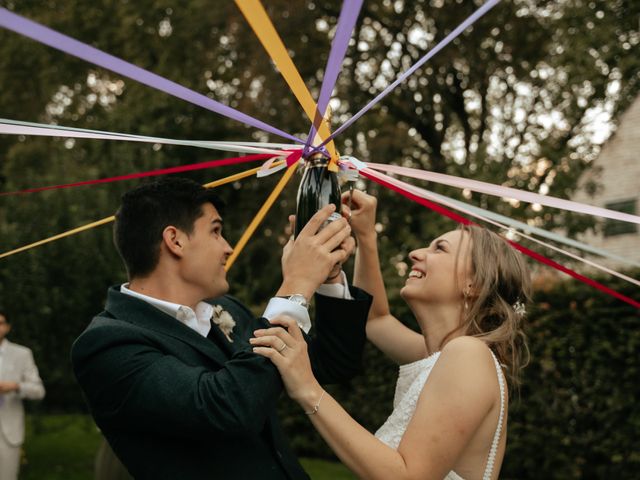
<point>319,187</point>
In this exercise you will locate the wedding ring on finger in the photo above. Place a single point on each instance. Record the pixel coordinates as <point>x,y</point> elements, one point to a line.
<point>281,349</point>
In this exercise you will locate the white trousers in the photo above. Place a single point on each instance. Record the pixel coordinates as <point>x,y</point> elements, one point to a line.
<point>9,460</point>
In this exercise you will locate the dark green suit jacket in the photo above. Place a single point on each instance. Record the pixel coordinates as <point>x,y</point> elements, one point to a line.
<point>176,405</point>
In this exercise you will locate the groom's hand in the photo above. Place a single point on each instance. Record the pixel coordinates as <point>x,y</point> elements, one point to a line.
<point>308,260</point>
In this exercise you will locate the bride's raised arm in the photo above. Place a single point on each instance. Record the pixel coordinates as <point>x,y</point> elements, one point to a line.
<point>385,331</point>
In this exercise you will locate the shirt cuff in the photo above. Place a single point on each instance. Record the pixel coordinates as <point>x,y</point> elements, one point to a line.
<point>336,290</point>
<point>282,306</point>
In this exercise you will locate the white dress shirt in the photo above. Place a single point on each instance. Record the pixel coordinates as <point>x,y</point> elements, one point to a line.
<point>337,290</point>
<point>200,320</point>
<point>282,306</point>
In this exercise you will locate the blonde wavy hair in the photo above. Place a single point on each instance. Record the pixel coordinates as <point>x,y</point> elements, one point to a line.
<point>494,305</point>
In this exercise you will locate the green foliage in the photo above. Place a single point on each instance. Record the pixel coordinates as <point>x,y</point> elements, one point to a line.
<point>60,447</point>
<point>578,415</point>
<point>319,469</point>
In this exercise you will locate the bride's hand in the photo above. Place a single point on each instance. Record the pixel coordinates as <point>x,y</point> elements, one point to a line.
<point>362,216</point>
<point>287,349</point>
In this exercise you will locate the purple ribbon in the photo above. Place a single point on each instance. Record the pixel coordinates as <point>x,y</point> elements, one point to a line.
<point>443,43</point>
<point>40,33</point>
<point>346,23</point>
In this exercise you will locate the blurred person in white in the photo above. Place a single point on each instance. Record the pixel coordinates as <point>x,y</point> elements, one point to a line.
<point>19,380</point>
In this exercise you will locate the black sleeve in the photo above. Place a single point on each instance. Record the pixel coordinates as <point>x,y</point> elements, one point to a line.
<point>339,336</point>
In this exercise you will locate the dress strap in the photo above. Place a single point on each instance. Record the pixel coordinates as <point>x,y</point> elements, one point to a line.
<point>496,438</point>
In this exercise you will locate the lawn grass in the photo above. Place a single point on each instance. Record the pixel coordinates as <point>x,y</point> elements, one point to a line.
<point>323,470</point>
<point>60,447</point>
<point>63,447</point>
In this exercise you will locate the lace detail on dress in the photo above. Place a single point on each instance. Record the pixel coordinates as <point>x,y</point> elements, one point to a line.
<point>411,380</point>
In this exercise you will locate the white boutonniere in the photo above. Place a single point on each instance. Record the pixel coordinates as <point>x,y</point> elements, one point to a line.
<point>224,320</point>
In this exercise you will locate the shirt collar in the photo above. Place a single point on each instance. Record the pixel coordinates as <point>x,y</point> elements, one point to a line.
<point>200,320</point>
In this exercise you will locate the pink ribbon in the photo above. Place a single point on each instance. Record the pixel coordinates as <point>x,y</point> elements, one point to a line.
<point>385,181</point>
<point>500,191</point>
<point>448,202</point>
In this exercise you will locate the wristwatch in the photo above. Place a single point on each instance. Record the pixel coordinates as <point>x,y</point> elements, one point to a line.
<point>297,298</point>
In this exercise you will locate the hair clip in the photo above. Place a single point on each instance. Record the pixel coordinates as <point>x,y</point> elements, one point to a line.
<point>519,308</point>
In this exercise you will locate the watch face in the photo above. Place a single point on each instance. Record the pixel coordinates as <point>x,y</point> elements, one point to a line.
<point>299,299</point>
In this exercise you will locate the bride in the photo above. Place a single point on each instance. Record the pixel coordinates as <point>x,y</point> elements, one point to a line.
<point>467,290</point>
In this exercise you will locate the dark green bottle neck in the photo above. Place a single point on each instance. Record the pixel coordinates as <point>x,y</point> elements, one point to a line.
<point>317,160</point>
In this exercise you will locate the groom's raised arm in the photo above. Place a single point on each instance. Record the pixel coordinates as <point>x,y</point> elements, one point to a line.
<point>339,336</point>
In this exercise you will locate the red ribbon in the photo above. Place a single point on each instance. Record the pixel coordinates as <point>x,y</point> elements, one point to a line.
<point>465,221</point>
<point>294,157</point>
<point>151,173</point>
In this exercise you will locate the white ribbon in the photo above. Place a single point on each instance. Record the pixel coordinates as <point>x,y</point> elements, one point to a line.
<point>539,231</point>
<point>420,192</point>
<point>505,192</point>
<point>13,127</point>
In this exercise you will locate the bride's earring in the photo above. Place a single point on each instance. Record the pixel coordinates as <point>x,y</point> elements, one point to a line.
<point>465,295</point>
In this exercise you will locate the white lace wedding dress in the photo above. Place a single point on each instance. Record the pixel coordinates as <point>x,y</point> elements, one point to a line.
<point>411,380</point>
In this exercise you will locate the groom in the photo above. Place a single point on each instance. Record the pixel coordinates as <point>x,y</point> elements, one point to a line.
<point>175,395</point>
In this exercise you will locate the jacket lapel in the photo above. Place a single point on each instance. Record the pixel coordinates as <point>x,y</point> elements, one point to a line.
<point>216,335</point>
<point>136,311</point>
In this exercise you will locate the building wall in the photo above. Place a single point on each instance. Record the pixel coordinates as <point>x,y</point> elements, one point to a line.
<point>619,176</point>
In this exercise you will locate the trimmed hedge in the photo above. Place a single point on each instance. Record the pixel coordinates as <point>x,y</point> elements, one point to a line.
<point>576,416</point>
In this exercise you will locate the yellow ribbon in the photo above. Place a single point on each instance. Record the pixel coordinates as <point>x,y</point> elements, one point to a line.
<point>239,176</point>
<point>59,236</point>
<point>257,17</point>
<point>260,215</point>
<point>217,183</point>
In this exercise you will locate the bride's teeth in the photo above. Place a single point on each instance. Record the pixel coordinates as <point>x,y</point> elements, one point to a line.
<point>416,274</point>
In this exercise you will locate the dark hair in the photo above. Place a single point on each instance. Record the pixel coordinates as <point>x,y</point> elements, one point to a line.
<point>148,209</point>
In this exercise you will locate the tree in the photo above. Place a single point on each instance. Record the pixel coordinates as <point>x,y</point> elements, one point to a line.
<point>511,101</point>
